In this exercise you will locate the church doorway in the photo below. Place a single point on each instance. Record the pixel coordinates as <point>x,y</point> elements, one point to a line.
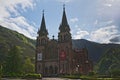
<point>51,70</point>
<point>46,71</point>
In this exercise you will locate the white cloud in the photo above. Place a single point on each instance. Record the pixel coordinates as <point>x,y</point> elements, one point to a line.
<point>98,23</point>
<point>109,8</point>
<point>108,5</point>
<point>80,34</point>
<point>8,6</point>
<point>104,34</point>
<point>19,22</point>
<point>116,39</point>
<point>73,20</point>
<point>20,25</point>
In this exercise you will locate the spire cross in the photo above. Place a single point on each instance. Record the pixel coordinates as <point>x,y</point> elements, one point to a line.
<point>43,11</point>
<point>53,37</point>
<point>64,6</point>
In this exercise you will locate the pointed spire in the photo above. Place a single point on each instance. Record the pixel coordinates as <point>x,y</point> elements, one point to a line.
<point>43,26</point>
<point>63,7</point>
<point>64,22</point>
<point>43,11</point>
<point>43,30</point>
<point>64,18</point>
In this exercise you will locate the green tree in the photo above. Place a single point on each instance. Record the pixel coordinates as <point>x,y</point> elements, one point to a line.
<point>28,66</point>
<point>0,72</point>
<point>115,73</point>
<point>14,62</point>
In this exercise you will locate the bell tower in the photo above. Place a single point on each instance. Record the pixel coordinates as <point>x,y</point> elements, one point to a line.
<point>64,46</point>
<point>42,41</point>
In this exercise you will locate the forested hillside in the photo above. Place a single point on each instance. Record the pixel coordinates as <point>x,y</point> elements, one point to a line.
<point>9,38</point>
<point>109,62</point>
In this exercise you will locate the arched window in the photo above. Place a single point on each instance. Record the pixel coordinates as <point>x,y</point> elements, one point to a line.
<point>39,42</point>
<point>66,37</point>
<point>39,67</point>
<point>43,41</point>
<point>61,38</point>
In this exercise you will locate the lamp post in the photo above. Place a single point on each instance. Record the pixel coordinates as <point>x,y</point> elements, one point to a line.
<point>78,68</point>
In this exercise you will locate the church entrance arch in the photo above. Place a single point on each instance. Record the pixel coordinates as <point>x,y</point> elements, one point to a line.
<point>51,70</point>
<point>56,69</point>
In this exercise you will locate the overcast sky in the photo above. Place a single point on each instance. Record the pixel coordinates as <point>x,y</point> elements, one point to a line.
<point>94,20</point>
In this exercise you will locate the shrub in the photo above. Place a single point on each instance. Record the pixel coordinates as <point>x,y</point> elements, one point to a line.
<point>115,73</point>
<point>12,75</point>
<point>77,76</point>
<point>33,76</point>
<point>91,74</point>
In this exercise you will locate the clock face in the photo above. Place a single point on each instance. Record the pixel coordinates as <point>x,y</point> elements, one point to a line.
<point>39,56</point>
<point>62,55</point>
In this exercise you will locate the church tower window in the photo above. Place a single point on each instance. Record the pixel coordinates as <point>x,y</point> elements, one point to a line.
<point>43,41</point>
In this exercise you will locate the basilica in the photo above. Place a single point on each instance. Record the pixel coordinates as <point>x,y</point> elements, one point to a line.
<point>58,56</point>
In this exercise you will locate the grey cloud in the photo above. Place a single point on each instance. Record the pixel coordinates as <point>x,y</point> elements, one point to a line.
<point>115,39</point>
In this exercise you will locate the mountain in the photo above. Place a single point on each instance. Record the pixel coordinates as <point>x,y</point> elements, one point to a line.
<point>95,50</point>
<point>9,38</point>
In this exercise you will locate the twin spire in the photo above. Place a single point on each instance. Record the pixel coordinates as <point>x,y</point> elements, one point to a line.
<point>63,26</point>
<point>64,19</point>
<point>43,31</point>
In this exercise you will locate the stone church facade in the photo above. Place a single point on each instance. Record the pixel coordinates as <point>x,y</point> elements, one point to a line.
<point>55,57</point>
